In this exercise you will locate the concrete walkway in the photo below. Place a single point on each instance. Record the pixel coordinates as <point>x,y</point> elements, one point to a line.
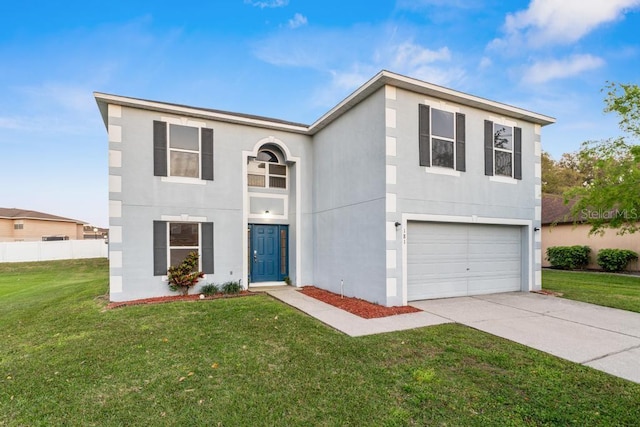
<point>351,324</point>
<point>603,338</point>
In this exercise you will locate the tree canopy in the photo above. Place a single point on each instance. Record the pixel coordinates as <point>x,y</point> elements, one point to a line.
<point>610,196</point>
<point>570,171</point>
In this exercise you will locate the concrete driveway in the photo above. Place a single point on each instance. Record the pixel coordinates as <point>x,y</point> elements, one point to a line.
<point>602,338</point>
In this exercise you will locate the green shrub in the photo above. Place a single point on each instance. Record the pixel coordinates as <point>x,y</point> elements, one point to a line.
<point>615,259</point>
<point>185,275</point>
<point>568,257</point>
<point>209,289</point>
<point>231,288</point>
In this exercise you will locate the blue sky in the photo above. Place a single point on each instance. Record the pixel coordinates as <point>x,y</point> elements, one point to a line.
<point>286,59</point>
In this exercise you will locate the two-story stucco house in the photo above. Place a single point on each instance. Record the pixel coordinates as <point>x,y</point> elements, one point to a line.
<point>403,191</point>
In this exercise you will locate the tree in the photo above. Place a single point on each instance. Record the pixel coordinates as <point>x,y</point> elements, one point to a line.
<point>611,197</point>
<point>624,100</point>
<point>568,172</point>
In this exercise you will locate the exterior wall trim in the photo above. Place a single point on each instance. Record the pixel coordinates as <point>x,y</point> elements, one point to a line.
<point>283,197</point>
<point>246,205</point>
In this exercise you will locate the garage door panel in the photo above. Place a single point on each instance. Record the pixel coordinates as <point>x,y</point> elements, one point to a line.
<point>450,259</point>
<point>493,283</point>
<point>447,287</point>
<point>497,267</point>
<point>433,270</point>
<point>494,263</point>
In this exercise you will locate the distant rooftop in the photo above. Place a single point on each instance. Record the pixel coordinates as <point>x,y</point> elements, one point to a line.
<point>555,211</point>
<point>13,213</point>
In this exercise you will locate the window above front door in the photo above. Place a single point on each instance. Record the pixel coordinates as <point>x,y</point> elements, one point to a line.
<point>267,170</point>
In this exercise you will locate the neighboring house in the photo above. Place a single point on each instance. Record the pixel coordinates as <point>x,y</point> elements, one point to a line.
<point>560,229</point>
<point>91,232</point>
<point>21,225</point>
<point>403,191</point>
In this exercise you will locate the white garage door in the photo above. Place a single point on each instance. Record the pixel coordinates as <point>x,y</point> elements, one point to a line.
<point>449,260</point>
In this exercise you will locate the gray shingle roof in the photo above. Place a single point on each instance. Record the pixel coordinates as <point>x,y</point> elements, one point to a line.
<point>13,213</point>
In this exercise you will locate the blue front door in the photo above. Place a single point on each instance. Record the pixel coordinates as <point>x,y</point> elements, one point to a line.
<point>268,252</point>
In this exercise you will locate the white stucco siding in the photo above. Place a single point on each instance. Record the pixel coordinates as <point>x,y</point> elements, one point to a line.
<point>144,198</point>
<point>350,198</point>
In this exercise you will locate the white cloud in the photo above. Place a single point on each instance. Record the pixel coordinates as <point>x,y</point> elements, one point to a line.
<point>46,124</point>
<point>343,81</point>
<point>410,55</point>
<point>72,97</point>
<point>351,79</point>
<point>485,62</point>
<point>267,4</point>
<point>405,58</point>
<point>420,62</point>
<point>298,20</point>
<point>351,56</point>
<point>551,22</point>
<point>13,123</point>
<point>316,48</point>
<point>544,71</point>
<point>419,4</point>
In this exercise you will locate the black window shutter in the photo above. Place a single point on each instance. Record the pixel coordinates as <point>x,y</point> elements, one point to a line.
<point>488,147</point>
<point>159,248</point>
<point>517,153</point>
<point>207,153</point>
<point>206,242</point>
<point>423,135</point>
<point>460,140</point>
<point>159,148</point>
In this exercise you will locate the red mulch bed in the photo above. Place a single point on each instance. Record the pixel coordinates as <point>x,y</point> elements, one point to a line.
<point>547,292</point>
<point>172,298</point>
<point>357,306</point>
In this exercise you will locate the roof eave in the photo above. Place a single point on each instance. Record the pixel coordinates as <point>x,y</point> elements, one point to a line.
<point>22,218</point>
<point>380,80</point>
<point>104,100</point>
<point>388,78</point>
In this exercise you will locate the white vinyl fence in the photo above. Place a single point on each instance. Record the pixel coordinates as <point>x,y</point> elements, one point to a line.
<point>46,251</point>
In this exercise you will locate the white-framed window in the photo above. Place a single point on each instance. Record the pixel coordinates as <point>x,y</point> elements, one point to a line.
<point>184,151</point>
<point>18,225</point>
<point>441,139</point>
<point>267,170</point>
<point>184,238</point>
<point>443,131</point>
<point>174,239</point>
<point>503,150</point>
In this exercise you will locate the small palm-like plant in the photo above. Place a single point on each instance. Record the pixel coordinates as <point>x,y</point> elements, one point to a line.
<point>185,275</point>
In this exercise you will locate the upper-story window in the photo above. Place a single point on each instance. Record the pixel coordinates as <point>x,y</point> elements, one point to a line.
<point>441,136</point>
<point>502,150</point>
<point>267,170</point>
<point>182,151</point>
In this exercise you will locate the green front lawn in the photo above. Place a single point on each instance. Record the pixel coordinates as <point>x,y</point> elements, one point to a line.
<point>255,361</point>
<point>609,290</point>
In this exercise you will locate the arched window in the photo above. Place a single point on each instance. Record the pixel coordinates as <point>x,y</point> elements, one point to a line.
<point>267,169</point>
